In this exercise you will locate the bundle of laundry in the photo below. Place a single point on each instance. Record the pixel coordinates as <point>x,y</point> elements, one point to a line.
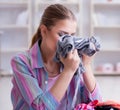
<point>96,105</point>
<point>68,43</point>
<point>108,105</point>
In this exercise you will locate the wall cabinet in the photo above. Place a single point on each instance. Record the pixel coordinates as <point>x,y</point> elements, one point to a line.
<point>105,24</point>
<point>15,30</point>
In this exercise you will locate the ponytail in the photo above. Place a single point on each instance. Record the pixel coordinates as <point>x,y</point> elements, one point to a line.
<point>51,15</point>
<point>36,37</point>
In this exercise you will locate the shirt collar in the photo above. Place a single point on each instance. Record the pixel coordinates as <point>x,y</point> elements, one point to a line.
<point>36,57</point>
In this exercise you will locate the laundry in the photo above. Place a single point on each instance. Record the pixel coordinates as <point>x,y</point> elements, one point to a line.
<point>96,105</point>
<point>68,43</point>
<point>108,105</point>
<point>90,106</point>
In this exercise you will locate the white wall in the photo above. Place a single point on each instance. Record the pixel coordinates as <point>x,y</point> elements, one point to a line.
<point>110,87</point>
<point>5,89</point>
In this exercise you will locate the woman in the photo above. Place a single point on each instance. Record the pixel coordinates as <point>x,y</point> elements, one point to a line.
<point>40,83</point>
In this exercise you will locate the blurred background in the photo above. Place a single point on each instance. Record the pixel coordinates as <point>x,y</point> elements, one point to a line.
<point>19,20</point>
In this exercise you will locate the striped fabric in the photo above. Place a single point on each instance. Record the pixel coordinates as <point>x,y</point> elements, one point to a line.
<point>30,91</point>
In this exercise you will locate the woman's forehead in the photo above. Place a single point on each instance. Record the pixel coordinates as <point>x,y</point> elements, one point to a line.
<point>66,25</point>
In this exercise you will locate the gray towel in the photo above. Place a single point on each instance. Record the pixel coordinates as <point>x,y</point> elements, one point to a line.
<point>68,43</point>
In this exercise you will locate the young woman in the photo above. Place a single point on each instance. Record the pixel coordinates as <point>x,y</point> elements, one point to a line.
<point>40,83</point>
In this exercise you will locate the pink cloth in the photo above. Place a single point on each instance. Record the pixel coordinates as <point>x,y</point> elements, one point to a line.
<point>89,106</point>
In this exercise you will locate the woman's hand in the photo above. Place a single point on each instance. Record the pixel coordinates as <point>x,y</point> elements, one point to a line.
<point>71,62</point>
<point>88,76</point>
<point>87,60</point>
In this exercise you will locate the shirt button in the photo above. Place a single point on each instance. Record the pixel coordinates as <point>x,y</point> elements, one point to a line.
<point>46,82</point>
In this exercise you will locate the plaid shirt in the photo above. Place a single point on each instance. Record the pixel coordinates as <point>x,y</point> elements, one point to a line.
<point>30,88</point>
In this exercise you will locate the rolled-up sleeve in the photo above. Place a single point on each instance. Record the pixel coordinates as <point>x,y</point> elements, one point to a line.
<point>96,94</point>
<point>29,87</point>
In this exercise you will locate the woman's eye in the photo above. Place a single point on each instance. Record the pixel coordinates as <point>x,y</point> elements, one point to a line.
<point>60,34</point>
<point>73,34</point>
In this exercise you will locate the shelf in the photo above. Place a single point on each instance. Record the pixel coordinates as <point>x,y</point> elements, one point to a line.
<point>107,74</point>
<point>13,50</point>
<point>110,50</point>
<point>14,27</point>
<point>19,16</point>
<point>73,6</point>
<point>106,4</point>
<point>13,4</point>
<point>106,15</point>
<point>15,31</point>
<point>105,24</point>
<point>108,27</point>
<point>62,2</point>
<point>4,73</point>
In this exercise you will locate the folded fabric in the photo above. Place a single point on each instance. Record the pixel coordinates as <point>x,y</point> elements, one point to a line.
<point>68,43</point>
